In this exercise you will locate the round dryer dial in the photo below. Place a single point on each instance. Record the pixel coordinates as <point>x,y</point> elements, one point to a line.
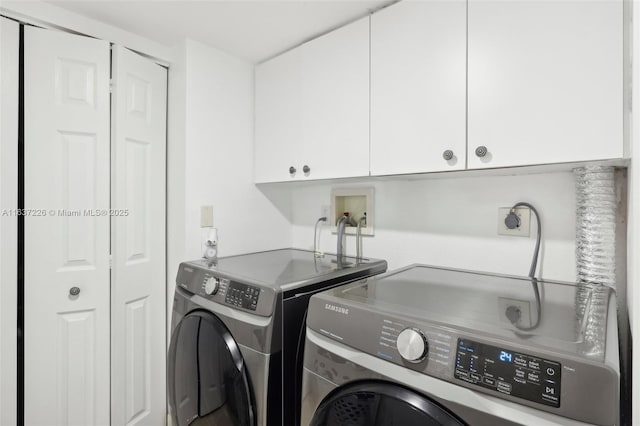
<point>412,345</point>
<point>211,286</point>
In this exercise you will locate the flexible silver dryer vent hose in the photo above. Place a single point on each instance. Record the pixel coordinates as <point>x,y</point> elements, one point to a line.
<point>595,253</point>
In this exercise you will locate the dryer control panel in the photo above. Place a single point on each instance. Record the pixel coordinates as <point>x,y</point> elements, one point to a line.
<point>242,295</point>
<point>506,371</point>
<point>220,288</point>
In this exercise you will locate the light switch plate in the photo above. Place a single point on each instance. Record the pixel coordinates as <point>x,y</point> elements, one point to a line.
<point>206,216</point>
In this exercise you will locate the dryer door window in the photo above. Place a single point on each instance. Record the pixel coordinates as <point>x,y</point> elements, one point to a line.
<point>207,379</point>
<point>381,404</point>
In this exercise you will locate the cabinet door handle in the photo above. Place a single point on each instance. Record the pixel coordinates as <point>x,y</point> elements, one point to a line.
<point>447,155</point>
<point>481,151</point>
<point>306,169</point>
<point>292,170</point>
<point>74,291</point>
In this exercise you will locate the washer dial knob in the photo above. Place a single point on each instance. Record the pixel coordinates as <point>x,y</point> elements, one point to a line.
<point>211,286</point>
<point>412,345</point>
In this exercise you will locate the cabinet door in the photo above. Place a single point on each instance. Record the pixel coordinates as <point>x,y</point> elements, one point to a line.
<point>277,117</point>
<point>418,87</point>
<point>545,81</point>
<point>334,72</point>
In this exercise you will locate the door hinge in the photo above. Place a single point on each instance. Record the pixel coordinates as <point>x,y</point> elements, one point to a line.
<point>110,261</point>
<point>110,85</point>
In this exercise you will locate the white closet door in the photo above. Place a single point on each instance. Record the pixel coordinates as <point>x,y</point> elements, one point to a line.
<point>138,290</point>
<point>66,178</point>
<point>9,45</point>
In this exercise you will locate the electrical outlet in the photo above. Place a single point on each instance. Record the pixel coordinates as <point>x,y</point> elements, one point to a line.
<point>524,213</point>
<point>324,212</point>
<point>524,306</point>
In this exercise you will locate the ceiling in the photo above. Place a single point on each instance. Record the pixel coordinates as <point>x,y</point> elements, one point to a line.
<point>251,29</point>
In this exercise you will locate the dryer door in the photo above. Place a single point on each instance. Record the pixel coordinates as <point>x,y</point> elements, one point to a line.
<point>207,377</point>
<point>380,404</point>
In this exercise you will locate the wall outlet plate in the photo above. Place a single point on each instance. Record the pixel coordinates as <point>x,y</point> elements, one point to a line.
<point>524,213</point>
<point>325,212</point>
<point>206,216</point>
<point>523,305</point>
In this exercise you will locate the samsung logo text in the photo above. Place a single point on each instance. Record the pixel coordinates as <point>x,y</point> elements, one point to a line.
<point>334,308</point>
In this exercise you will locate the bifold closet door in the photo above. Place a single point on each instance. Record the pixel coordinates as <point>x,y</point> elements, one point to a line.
<point>138,305</point>
<point>66,282</point>
<point>9,81</point>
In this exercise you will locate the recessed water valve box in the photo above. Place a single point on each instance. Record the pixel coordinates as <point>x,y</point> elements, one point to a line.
<point>358,203</point>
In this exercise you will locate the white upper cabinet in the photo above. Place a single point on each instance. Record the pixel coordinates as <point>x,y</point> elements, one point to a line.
<point>312,109</point>
<point>418,87</point>
<point>278,129</point>
<point>545,82</point>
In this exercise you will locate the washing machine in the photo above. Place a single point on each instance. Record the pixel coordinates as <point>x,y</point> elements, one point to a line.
<point>237,331</point>
<point>434,346</point>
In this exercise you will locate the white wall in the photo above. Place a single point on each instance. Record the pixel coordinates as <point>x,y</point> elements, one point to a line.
<point>453,222</point>
<point>210,160</point>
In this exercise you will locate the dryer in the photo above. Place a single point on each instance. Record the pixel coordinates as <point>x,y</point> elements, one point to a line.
<point>435,346</point>
<point>237,331</point>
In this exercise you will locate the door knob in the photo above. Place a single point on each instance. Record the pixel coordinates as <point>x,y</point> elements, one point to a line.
<point>481,151</point>
<point>447,155</point>
<point>292,170</point>
<point>74,291</point>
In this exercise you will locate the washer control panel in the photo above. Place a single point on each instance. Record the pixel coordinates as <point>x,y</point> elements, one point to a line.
<point>509,372</point>
<point>214,286</point>
<point>242,295</point>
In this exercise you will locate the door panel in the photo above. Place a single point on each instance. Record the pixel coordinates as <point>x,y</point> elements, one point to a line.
<point>76,368</point>
<point>418,87</point>
<point>545,81</point>
<point>183,371</point>
<point>138,240</point>
<point>9,81</point>
<point>138,358</point>
<point>66,177</point>
<point>208,382</point>
<point>278,132</point>
<point>335,103</point>
<point>380,404</point>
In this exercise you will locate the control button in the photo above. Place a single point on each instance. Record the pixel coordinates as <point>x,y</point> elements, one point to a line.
<point>412,345</point>
<point>533,377</point>
<point>520,373</point>
<point>475,377</point>
<point>462,373</point>
<point>551,371</point>
<point>504,387</point>
<point>534,365</point>
<point>550,393</point>
<point>211,286</point>
<point>520,361</point>
<point>489,381</point>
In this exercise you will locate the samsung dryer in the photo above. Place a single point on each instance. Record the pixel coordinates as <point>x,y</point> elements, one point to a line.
<point>237,328</point>
<point>435,346</point>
